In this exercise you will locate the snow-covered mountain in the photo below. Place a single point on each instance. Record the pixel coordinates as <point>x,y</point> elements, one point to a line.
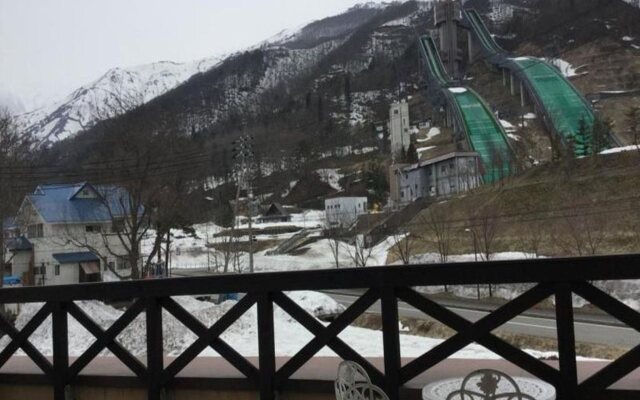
<point>117,91</point>
<point>286,56</point>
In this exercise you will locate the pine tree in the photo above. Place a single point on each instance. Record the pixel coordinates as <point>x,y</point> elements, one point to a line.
<point>582,139</point>
<point>412,154</point>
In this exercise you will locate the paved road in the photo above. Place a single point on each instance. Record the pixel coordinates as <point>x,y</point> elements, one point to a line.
<point>590,328</point>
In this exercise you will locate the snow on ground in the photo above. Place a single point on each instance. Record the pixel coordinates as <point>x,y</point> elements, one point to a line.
<point>565,67</point>
<point>458,90</point>
<point>406,21</point>
<point>616,150</point>
<point>508,126</point>
<point>320,256</point>
<point>530,116</point>
<point>331,176</point>
<point>514,137</point>
<point>433,132</point>
<point>627,38</point>
<point>424,149</point>
<point>290,336</point>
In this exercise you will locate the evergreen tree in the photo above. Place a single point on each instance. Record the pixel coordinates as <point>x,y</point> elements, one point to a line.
<point>412,154</point>
<point>582,139</point>
<point>377,183</point>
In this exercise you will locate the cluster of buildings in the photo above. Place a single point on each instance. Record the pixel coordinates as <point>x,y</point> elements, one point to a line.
<point>440,176</point>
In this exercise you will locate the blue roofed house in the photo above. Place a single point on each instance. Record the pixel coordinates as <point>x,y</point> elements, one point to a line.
<point>66,234</point>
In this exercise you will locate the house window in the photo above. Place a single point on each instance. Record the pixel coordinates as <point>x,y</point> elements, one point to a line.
<point>93,228</point>
<point>444,168</point>
<point>35,231</point>
<point>117,225</point>
<point>396,112</point>
<point>57,269</point>
<point>122,263</point>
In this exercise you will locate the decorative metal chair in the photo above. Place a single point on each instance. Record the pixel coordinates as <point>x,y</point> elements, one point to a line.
<point>353,383</point>
<point>489,385</point>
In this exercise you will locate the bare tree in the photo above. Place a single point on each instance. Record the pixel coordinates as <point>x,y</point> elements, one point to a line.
<point>441,228</point>
<point>582,234</point>
<point>333,236</point>
<point>359,251</point>
<point>14,156</point>
<point>485,225</point>
<point>532,237</point>
<point>404,242</point>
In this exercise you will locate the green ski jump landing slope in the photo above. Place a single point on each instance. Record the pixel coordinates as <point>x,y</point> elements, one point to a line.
<point>564,105</point>
<point>484,132</point>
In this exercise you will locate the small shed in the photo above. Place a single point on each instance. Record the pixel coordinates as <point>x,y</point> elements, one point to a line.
<point>275,213</point>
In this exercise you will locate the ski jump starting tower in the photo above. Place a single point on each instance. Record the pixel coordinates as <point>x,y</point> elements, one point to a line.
<point>448,20</point>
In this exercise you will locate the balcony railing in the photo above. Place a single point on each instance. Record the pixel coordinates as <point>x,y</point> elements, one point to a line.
<point>549,277</point>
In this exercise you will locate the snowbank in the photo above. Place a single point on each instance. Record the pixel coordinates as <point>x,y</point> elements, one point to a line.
<point>617,150</point>
<point>565,67</point>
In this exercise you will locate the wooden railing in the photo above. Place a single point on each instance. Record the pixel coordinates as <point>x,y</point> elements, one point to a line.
<point>550,277</point>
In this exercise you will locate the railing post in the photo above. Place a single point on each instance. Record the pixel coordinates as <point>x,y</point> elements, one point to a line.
<point>60,339</point>
<point>567,389</point>
<point>266,346</point>
<point>391,343</point>
<point>155,348</point>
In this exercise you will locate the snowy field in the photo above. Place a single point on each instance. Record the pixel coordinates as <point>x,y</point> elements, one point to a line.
<point>290,336</point>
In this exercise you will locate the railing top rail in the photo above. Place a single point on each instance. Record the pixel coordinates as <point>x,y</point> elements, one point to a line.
<point>620,267</point>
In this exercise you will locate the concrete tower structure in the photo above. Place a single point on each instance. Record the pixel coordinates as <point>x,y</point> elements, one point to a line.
<point>448,18</point>
<point>399,128</point>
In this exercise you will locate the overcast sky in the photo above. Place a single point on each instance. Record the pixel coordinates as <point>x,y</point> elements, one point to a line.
<point>50,47</point>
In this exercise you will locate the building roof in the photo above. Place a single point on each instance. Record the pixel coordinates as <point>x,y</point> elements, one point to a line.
<point>80,202</point>
<point>441,158</point>
<point>9,223</point>
<point>19,244</point>
<point>74,258</point>
<point>276,210</point>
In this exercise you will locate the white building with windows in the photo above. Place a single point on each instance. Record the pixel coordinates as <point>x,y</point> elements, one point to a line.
<point>438,177</point>
<point>66,234</point>
<point>344,211</point>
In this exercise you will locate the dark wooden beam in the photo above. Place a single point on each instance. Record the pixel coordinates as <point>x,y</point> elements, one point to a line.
<point>209,337</point>
<point>567,387</point>
<point>155,349</point>
<point>391,343</point>
<point>107,339</point>
<point>324,336</point>
<point>60,333</point>
<point>479,332</point>
<point>266,347</point>
<point>496,272</point>
<point>205,338</point>
<point>21,340</point>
